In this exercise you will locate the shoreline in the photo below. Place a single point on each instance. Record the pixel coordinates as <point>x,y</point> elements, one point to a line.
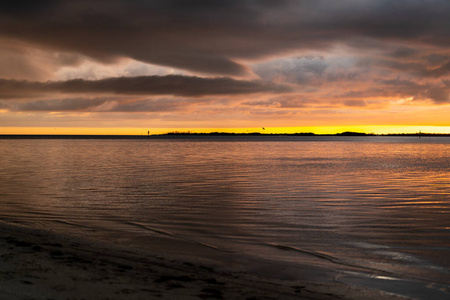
<point>36,264</point>
<point>215,135</point>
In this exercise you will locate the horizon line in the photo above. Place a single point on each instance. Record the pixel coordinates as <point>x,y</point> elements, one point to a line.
<point>180,134</point>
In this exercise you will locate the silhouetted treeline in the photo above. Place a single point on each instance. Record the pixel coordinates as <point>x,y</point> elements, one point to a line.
<point>351,133</point>
<point>204,134</point>
<point>237,134</point>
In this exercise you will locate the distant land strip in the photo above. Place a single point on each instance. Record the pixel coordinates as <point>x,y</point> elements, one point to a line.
<point>210,134</point>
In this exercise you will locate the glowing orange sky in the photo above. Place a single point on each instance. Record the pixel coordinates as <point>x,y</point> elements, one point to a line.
<point>354,66</point>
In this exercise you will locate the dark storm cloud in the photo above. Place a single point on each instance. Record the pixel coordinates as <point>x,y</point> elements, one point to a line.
<point>156,105</point>
<point>103,104</point>
<point>440,95</point>
<point>403,52</point>
<point>437,59</point>
<point>75,104</point>
<point>438,92</point>
<point>418,69</point>
<point>141,85</point>
<point>439,71</point>
<point>72,104</point>
<point>215,36</point>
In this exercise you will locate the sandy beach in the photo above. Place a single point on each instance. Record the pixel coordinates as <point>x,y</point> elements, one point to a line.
<point>35,264</point>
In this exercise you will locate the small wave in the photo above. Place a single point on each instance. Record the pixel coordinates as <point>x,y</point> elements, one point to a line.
<point>402,256</point>
<point>316,254</point>
<point>211,246</point>
<point>366,245</point>
<point>72,223</point>
<point>325,257</point>
<point>159,231</point>
<point>167,233</point>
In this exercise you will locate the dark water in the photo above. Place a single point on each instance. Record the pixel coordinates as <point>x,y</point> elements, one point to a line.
<point>374,210</point>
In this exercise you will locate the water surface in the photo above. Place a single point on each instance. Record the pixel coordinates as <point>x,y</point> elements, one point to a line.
<point>375,210</point>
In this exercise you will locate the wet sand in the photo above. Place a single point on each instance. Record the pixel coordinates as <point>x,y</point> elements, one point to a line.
<point>36,264</point>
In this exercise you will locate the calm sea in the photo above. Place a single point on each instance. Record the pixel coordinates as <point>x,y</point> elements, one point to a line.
<point>373,211</point>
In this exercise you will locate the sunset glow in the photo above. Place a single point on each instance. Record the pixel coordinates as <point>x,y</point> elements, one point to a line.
<point>387,129</point>
<point>288,66</point>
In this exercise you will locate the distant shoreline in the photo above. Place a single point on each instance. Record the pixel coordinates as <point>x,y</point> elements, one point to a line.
<point>214,134</point>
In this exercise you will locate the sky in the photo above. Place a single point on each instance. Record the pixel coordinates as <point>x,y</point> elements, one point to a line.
<point>126,67</point>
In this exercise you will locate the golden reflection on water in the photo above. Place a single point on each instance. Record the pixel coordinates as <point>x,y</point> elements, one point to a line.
<point>378,202</point>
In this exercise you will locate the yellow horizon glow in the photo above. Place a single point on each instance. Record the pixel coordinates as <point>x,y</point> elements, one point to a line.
<point>377,129</point>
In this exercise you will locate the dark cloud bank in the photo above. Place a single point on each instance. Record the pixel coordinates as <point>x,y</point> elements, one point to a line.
<point>213,37</point>
<point>103,104</point>
<point>219,38</point>
<point>176,85</point>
